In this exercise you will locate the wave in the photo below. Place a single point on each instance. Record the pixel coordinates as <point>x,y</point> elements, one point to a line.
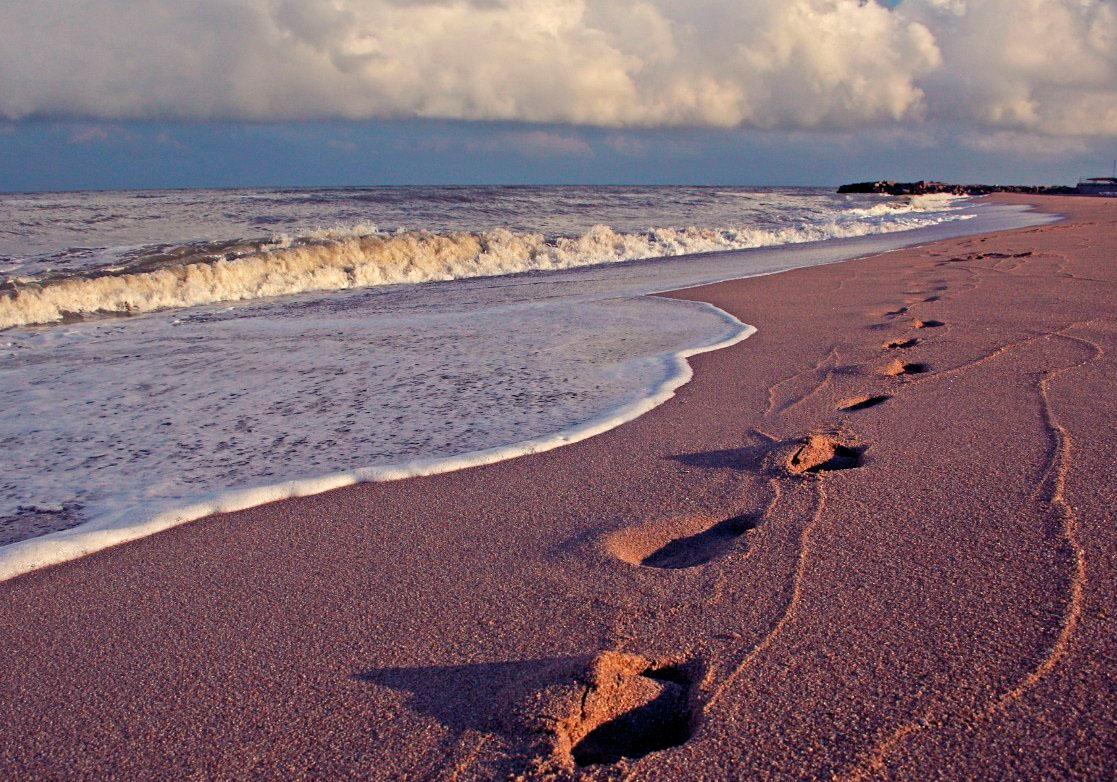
<point>360,257</point>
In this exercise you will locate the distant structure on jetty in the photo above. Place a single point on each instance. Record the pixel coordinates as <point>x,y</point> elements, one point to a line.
<point>1099,185</point>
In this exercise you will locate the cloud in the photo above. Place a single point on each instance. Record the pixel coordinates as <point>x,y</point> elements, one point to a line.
<point>536,142</point>
<point>90,134</point>
<point>626,144</point>
<point>1038,66</point>
<point>1046,66</point>
<point>1027,145</point>
<point>526,142</point>
<point>342,145</point>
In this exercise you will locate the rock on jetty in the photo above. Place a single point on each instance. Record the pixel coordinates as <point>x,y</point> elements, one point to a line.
<point>923,187</point>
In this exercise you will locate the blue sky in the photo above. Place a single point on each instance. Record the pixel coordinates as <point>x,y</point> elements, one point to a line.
<point>225,93</point>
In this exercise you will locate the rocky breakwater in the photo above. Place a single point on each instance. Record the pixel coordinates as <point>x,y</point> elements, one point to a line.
<point>924,187</point>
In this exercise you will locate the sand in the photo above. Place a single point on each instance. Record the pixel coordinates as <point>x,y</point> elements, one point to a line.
<point>874,540</point>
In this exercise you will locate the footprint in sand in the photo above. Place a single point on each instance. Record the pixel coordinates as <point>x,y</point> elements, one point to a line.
<point>900,344</point>
<point>630,707</point>
<point>920,298</point>
<point>856,403</point>
<point>1002,256</point>
<point>706,546</point>
<point>677,544</point>
<point>824,453</point>
<point>898,368</point>
<point>926,324</point>
<point>590,711</point>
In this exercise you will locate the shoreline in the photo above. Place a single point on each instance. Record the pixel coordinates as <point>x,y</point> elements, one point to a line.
<point>119,527</point>
<point>409,626</point>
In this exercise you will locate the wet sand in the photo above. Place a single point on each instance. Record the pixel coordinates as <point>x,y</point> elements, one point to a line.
<point>875,540</point>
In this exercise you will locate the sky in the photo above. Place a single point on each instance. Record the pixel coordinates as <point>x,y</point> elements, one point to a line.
<point>110,94</point>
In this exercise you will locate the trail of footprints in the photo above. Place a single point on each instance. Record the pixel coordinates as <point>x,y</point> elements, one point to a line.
<point>898,367</point>
<point>626,706</point>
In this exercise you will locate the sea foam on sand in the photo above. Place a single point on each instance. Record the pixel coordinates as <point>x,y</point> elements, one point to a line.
<point>121,527</point>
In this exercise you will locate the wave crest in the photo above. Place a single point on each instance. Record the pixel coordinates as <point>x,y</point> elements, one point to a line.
<point>339,260</point>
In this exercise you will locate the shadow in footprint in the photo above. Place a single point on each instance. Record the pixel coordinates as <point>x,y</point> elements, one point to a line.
<point>664,721</point>
<point>927,324</point>
<point>862,402</point>
<point>701,548</point>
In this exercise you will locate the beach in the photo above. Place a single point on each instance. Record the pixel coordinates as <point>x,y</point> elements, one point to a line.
<point>873,540</point>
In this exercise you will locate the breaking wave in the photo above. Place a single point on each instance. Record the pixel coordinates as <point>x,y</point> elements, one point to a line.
<point>361,257</point>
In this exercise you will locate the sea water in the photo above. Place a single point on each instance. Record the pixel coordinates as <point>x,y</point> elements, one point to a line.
<point>171,354</point>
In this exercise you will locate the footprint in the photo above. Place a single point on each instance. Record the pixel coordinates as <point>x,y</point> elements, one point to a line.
<point>900,344</point>
<point>983,256</point>
<point>862,402</point>
<point>680,543</point>
<point>706,546</point>
<point>630,708</point>
<point>571,712</point>
<point>823,453</point>
<point>921,298</point>
<point>926,324</point>
<point>897,368</point>
<point>896,312</point>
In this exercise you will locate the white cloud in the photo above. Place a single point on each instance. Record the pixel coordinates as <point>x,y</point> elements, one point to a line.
<point>88,134</point>
<point>1041,66</point>
<point>1025,145</point>
<point>1047,66</point>
<point>531,142</point>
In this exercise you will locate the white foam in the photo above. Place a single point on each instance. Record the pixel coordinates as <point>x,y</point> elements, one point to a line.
<point>341,259</point>
<point>119,527</point>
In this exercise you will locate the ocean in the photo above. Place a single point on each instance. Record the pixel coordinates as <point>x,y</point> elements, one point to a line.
<point>168,354</point>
